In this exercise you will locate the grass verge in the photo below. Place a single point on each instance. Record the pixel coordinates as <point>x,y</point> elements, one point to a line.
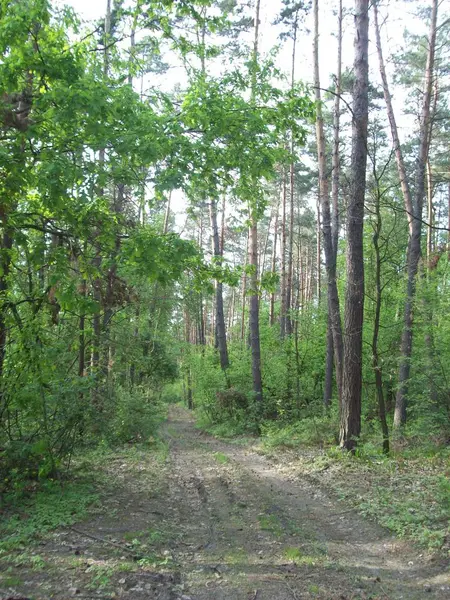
<point>407,492</point>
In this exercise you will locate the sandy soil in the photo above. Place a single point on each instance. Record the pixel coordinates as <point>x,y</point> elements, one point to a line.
<point>217,521</point>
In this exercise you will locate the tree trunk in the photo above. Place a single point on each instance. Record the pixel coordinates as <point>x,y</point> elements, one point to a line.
<point>413,205</point>
<point>220,328</point>
<point>376,365</point>
<point>253,258</point>
<point>244,289</point>
<point>330,233</point>
<point>289,287</point>
<point>283,293</point>
<point>328,386</point>
<point>6,243</point>
<point>414,246</point>
<point>274,266</point>
<point>336,165</point>
<point>354,299</point>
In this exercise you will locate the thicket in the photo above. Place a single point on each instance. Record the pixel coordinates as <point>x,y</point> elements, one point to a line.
<point>107,312</point>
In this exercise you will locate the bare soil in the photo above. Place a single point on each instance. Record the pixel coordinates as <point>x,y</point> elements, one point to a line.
<point>218,521</point>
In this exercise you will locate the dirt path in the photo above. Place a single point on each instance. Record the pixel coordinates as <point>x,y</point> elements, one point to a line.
<point>218,521</point>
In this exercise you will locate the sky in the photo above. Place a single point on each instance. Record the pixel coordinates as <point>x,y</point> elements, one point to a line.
<point>399,14</point>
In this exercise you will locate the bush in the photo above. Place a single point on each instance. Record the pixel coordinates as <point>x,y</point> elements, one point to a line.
<point>136,415</point>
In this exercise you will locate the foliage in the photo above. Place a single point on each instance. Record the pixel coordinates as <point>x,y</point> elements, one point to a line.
<point>53,505</point>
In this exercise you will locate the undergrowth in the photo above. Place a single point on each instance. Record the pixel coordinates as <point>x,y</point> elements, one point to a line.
<point>36,508</point>
<point>53,505</point>
<point>408,492</point>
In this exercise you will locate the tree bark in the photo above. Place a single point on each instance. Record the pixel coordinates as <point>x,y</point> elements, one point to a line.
<point>413,206</point>
<point>336,164</point>
<point>283,294</point>
<point>6,243</point>
<point>274,265</point>
<point>414,246</point>
<point>329,232</point>
<point>328,385</point>
<point>244,289</point>
<point>220,328</point>
<point>350,427</point>
<point>376,365</point>
<point>290,273</point>
<point>253,258</point>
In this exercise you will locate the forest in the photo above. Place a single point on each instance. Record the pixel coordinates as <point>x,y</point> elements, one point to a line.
<point>225,234</point>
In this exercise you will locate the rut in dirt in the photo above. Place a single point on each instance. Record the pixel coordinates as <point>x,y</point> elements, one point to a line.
<point>255,532</point>
<point>217,521</point>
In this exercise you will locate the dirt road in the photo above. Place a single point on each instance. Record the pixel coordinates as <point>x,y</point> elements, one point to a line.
<point>217,521</point>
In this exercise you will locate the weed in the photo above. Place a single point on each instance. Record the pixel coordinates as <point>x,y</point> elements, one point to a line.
<point>271,523</point>
<point>10,581</point>
<point>293,554</point>
<point>101,576</point>
<point>51,507</point>
<point>221,458</point>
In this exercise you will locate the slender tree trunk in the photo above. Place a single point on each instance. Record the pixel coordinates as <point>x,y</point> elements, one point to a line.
<point>290,273</point>
<point>430,216</point>
<point>376,364</point>
<point>97,261</point>
<point>354,298</point>
<point>413,205</point>
<point>274,266</point>
<point>167,214</point>
<point>202,312</point>
<point>414,246</point>
<point>329,228</point>
<point>318,255</point>
<point>336,165</point>
<point>329,361</point>
<point>82,336</point>
<point>6,244</point>
<point>231,312</point>
<point>448,220</point>
<point>220,328</point>
<point>187,338</point>
<point>283,293</point>
<point>244,290</point>
<point>253,256</point>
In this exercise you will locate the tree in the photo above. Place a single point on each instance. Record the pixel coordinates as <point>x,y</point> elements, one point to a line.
<point>413,204</point>
<point>255,342</point>
<point>329,226</point>
<point>354,298</point>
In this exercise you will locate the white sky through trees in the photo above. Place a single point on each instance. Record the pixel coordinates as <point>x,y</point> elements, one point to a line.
<point>396,16</point>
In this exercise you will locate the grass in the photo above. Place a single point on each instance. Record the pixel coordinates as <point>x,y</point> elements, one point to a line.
<point>407,492</point>
<point>271,523</point>
<point>30,515</point>
<point>221,458</point>
<point>52,506</point>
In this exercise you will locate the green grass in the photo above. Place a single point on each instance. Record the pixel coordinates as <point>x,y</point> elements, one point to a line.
<point>221,458</point>
<point>407,492</point>
<point>271,523</point>
<point>52,506</point>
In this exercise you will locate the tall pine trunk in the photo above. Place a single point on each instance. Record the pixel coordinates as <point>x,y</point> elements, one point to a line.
<point>413,205</point>
<point>255,343</point>
<point>350,427</point>
<point>220,328</point>
<point>290,271</point>
<point>334,337</point>
<point>274,264</point>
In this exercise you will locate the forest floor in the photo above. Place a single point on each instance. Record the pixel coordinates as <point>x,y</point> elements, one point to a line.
<point>206,519</point>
